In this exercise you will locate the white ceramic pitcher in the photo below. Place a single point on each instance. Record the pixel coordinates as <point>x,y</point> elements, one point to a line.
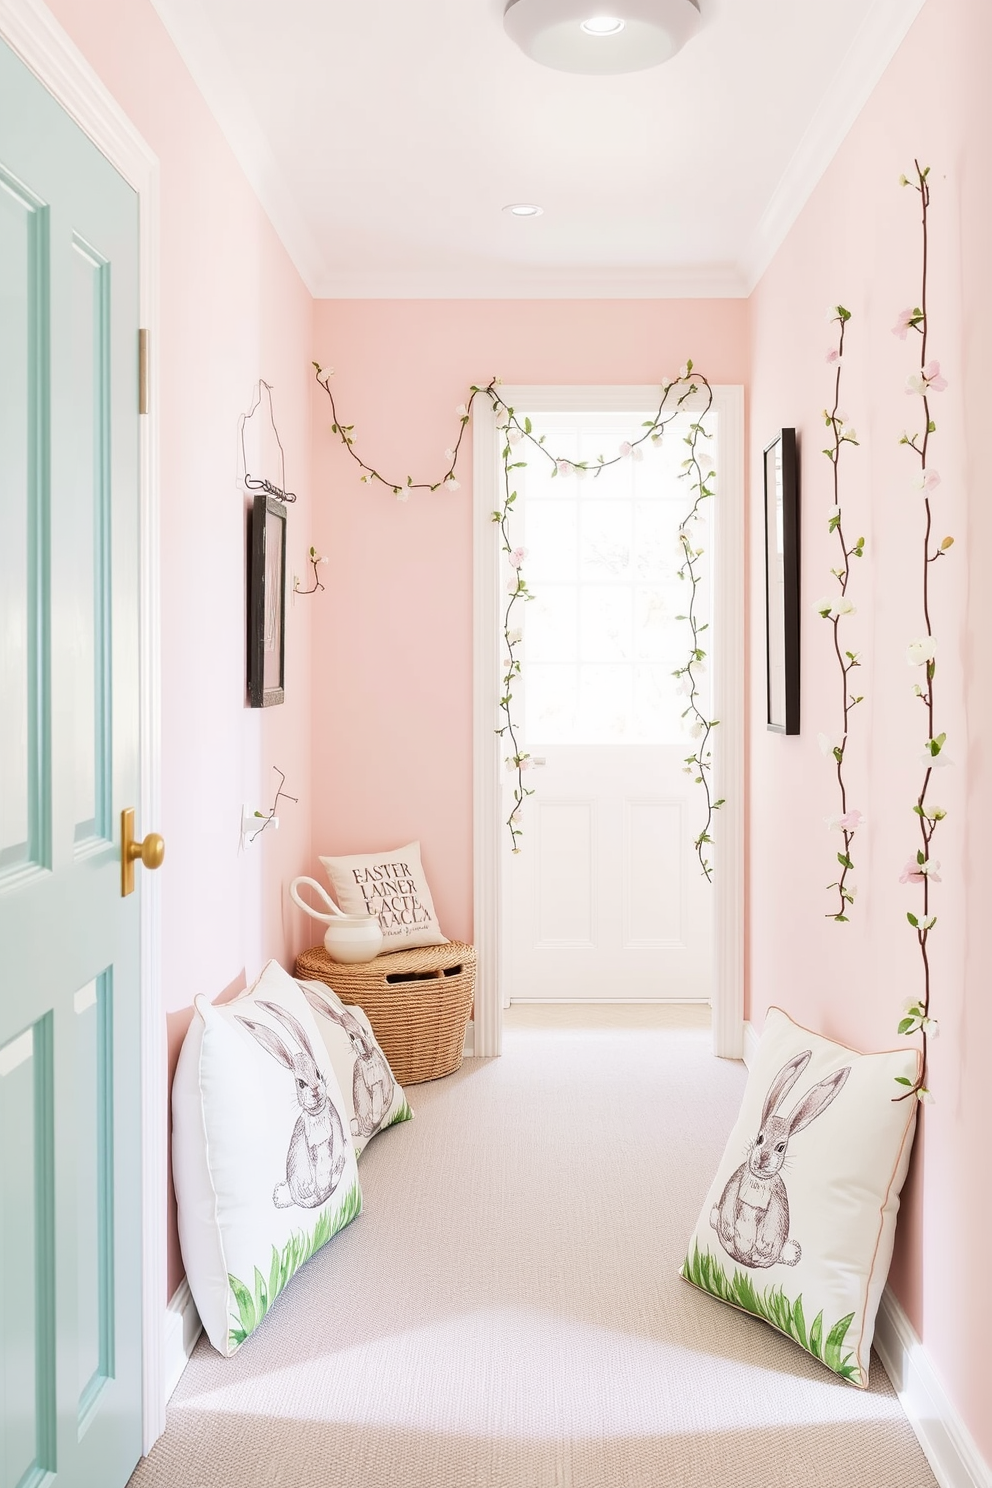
<point>348,938</point>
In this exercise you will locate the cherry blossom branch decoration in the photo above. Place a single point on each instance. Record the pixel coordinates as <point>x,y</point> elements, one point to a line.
<point>923,870</point>
<point>517,431</point>
<point>698,470</point>
<point>835,609</point>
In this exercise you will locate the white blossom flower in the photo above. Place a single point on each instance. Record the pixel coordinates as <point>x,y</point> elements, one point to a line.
<point>625,449</point>
<point>502,418</point>
<point>451,484</point>
<point>403,494</point>
<point>461,411</point>
<point>514,436</point>
<point>918,653</point>
<point>515,636</point>
<point>449,455</point>
<point>924,1097</point>
<point>835,511</point>
<point>636,453</point>
<point>932,1027</point>
<point>683,372</point>
<point>565,467</point>
<point>828,744</point>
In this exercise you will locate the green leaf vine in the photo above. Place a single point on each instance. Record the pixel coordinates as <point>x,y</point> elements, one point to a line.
<point>519,439</point>
<point>922,870</point>
<point>835,609</point>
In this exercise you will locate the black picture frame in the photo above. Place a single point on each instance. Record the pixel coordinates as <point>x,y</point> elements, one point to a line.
<point>781,481</point>
<point>266,602</point>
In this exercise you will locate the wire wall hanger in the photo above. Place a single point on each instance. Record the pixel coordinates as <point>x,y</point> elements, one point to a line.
<point>260,483</point>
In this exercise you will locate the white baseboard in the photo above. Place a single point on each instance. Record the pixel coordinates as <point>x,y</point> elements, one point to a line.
<point>947,1443</point>
<point>182,1329</point>
<point>751,1037</point>
<point>952,1454</point>
<point>468,1051</point>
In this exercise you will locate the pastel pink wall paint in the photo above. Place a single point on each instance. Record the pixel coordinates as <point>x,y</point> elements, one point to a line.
<point>392,659</point>
<point>233,310</point>
<point>858,242</point>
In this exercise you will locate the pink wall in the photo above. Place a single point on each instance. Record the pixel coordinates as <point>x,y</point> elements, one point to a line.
<point>857,242</point>
<point>392,658</point>
<point>233,309</point>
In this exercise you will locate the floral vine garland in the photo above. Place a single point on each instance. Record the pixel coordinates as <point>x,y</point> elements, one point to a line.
<point>922,871</point>
<point>697,468</point>
<point>835,610</point>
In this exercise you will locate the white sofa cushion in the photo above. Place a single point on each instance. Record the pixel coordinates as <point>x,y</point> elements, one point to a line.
<point>799,1223</point>
<point>372,1098</point>
<point>391,886</point>
<point>263,1158</point>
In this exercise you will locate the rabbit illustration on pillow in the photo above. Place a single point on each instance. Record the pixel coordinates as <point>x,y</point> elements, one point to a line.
<point>317,1151</point>
<point>373,1086</point>
<point>752,1218</point>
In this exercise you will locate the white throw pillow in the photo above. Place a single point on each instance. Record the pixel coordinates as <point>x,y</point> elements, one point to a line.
<point>799,1223</point>
<point>391,886</point>
<point>264,1163</point>
<point>372,1098</point>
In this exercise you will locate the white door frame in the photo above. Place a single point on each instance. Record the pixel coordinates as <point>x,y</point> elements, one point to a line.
<point>33,33</point>
<point>726,518</point>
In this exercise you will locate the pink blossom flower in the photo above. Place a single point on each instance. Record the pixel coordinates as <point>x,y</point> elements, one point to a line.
<point>513,436</point>
<point>932,374</point>
<point>849,822</point>
<point>903,322</point>
<point>565,467</point>
<point>517,557</point>
<point>833,355</point>
<point>927,481</point>
<point>625,449</point>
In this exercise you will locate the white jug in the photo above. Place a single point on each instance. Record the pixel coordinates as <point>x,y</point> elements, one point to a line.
<point>348,938</point>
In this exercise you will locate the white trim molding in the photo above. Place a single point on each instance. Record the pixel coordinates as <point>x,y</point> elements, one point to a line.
<point>946,1441</point>
<point>31,31</point>
<point>180,1331</point>
<point>727,526</point>
<point>875,43</point>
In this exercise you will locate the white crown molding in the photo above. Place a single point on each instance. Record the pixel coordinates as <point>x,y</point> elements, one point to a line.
<point>875,44</point>
<point>718,281</point>
<point>203,53</point>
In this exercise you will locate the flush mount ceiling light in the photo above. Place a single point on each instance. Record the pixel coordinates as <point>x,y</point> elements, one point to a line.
<point>523,209</point>
<point>572,36</point>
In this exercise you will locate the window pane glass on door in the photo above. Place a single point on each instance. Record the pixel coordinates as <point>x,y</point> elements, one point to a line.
<point>602,635</point>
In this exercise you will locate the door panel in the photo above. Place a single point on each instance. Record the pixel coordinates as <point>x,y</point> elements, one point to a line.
<point>70,1184</point>
<point>606,899</point>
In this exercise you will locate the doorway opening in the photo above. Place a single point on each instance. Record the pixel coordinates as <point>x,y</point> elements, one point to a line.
<point>607,900</point>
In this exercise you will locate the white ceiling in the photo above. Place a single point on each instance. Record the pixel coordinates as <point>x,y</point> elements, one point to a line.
<point>384,136</point>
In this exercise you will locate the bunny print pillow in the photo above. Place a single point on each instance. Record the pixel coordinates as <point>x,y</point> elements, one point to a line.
<point>799,1223</point>
<point>262,1152</point>
<point>372,1098</point>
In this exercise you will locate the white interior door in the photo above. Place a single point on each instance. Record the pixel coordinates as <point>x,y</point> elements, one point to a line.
<point>606,899</point>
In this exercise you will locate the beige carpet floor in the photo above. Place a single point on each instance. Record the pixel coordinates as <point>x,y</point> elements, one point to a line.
<point>506,1312</point>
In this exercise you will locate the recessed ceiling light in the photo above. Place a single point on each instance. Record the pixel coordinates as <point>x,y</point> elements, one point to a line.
<point>562,34</point>
<point>523,209</point>
<point>602,26</point>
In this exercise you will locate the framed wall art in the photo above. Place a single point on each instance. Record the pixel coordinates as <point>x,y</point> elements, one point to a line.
<point>267,602</point>
<point>782,582</point>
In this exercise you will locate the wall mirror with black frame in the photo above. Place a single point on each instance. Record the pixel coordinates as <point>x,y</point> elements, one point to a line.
<point>781,472</point>
<point>267,602</point>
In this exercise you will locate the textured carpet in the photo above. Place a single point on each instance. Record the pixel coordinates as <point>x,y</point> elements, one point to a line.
<point>506,1312</point>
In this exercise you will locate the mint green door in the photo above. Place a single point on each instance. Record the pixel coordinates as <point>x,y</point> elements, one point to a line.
<point>70,1154</point>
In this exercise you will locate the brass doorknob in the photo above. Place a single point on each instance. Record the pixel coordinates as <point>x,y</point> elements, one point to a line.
<point>150,851</point>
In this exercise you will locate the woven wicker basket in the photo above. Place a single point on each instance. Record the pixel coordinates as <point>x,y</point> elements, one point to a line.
<point>418,1003</point>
